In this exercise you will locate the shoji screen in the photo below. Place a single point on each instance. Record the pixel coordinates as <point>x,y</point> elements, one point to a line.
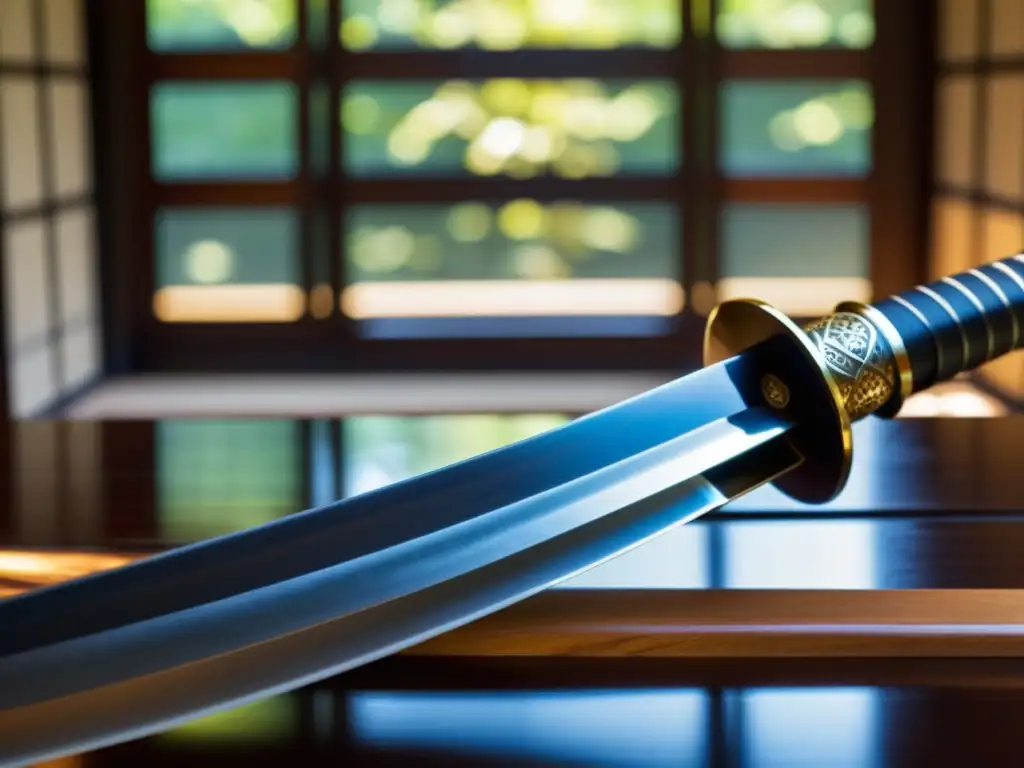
<point>47,215</point>
<point>978,201</point>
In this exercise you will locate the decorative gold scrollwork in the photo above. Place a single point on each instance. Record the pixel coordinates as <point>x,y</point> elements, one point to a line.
<point>859,360</point>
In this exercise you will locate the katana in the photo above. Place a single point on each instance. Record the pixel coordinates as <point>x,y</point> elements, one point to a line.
<point>130,652</point>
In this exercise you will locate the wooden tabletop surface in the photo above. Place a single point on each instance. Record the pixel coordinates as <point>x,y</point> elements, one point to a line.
<point>886,628</point>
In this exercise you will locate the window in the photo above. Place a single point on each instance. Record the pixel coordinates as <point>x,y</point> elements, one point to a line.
<point>219,477</point>
<point>381,183</point>
<point>47,214</point>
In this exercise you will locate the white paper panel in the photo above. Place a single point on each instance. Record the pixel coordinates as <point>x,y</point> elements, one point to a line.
<point>17,41</point>
<point>80,355</point>
<point>19,131</point>
<point>958,29</point>
<point>25,277</point>
<point>952,248</point>
<point>1007,27</point>
<point>65,31</point>
<point>70,136</point>
<point>1004,234</point>
<point>1004,176</point>
<point>954,162</point>
<point>32,381</point>
<point>76,265</point>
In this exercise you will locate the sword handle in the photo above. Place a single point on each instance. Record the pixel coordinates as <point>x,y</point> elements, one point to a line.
<point>867,358</point>
<point>881,354</point>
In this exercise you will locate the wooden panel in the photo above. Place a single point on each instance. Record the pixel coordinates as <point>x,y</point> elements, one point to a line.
<point>783,64</point>
<point>748,624</point>
<point>438,65</point>
<point>818,191</point>
<point>37,496</point>
<point>616,189</point>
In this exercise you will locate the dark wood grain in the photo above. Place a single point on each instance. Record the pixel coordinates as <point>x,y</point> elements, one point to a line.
<point>748,624</point>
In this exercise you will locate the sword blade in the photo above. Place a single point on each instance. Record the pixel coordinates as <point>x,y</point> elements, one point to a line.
<point>255,614</point>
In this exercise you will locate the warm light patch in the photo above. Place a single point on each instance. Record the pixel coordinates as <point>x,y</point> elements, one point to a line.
<point>797,296</point>
<point>273,303</point>
<point>75,761</point>
<point>953,400</point>
<point>513,298</point>
<point>35,569</point>
<point>321,301</point>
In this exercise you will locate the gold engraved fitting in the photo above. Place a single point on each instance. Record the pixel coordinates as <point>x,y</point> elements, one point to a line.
<point>859,359</point>
<point>775,392</point>
<point>846,366</point>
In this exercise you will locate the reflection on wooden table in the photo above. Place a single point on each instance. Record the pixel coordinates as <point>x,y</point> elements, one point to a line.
<point>919,557</point>
<point>23,570</point>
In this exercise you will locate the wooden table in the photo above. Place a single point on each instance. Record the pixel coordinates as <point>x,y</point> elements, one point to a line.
<point>886,627</point>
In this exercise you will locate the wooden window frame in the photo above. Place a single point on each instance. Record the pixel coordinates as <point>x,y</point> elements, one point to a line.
<point>894,192</point>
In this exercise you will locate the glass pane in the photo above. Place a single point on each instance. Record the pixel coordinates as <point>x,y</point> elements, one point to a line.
<point>224,131</point>
<point>520,240</point>
<point>805,259</point>
<point>380,450</point>
<point>519,260</point>
<point>519,128</point>
<point>801,128</point>
<point>510,24</point>
<point>783,24</point>
<point>229,265</point>
<point>219,477</point>
<point>219,25</point>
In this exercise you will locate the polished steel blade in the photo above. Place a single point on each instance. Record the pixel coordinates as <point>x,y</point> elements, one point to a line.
<point>131,652</point>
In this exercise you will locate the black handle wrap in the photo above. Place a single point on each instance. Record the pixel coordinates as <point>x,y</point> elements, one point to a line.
<point>958,323</point>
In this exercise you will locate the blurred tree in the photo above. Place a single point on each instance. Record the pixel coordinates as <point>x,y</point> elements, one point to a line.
<point>196,24</point>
